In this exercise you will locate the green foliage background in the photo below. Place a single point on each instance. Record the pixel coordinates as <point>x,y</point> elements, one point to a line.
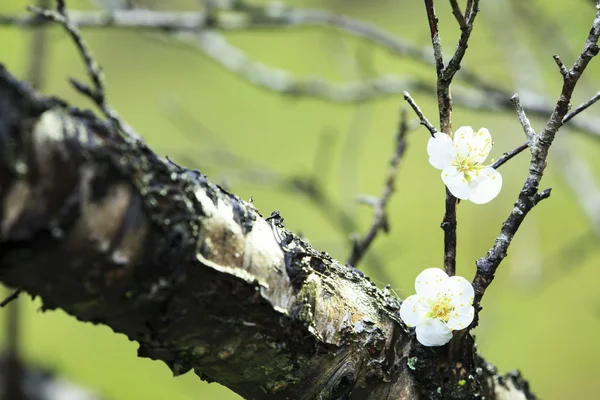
<point>542,313</point>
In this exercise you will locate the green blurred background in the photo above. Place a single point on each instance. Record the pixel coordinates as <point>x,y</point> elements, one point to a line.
<point>541,314</point>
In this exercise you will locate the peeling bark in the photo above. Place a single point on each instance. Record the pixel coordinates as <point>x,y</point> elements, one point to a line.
<point>109,232</point>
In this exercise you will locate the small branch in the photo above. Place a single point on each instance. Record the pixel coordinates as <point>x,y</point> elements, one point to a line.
<point>468,10</point>
<point>584,106</point>
<point>10,298</point>
<point>444,97</point>
<point>509,155</point>
<point>435,37</point>
<point>97,93</point>
<point>529,196</point>
<point>422,118</point>
<point>561,67</point>
<point>380,220</point>
<point>460,18</point>
<point>481,95</point>
<point>449,225</point>
<point>527,129</point>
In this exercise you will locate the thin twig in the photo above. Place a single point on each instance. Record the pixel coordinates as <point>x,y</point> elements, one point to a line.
<point>460,18</point>
<point>529,196</point>
<point>561,67</point>
<point>584,106</point>
<point>380,220</point>
<point>509,155</point>
<point>97,93</point>
<point>422,118</point>
<point>468,10</point>
<point>444,97</point>
<point>483,95</point>
<point>527,129</point>
<point>13,296</point>
<point>435,38</point>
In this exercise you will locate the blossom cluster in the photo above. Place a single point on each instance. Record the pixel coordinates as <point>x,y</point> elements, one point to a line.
<point>442,303</point>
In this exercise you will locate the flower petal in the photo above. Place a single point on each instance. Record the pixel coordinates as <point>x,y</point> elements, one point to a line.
<point>430,282</point>
<point>485,185</point>
<point>433,332</point>
<point>456,182</point>
<point>481,145</point>
<point>461,293</point>
<point>441,150</point>
<point>460,320</point>
<point>413,310</point>
<point>463,140</point>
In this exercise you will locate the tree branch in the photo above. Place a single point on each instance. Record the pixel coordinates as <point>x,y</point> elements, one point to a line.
<point>483,95</point>
<point>529,195</point>
<point>103,228</point>
<point>380,219</point>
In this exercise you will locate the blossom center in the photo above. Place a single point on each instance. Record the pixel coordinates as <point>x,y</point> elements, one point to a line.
<point>441,309</point>
<point>463,164</point>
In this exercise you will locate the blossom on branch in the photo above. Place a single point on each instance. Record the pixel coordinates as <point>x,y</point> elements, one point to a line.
<point>461,160</point>
<point>442,304</point>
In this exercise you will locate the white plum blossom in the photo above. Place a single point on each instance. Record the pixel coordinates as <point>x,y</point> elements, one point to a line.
<point>461,158</point>
<point>442,304</point>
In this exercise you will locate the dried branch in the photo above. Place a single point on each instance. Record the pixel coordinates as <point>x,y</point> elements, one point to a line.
<point>380,219</point>
<point>509,155</point>
<point>445,76</point>
<point>460,18</point>
<point>97,93</point>
<point>529,195</point>
<point>482,95</point>
<point>422,118</point>
<point>582,107</point>
<point>527,129</point>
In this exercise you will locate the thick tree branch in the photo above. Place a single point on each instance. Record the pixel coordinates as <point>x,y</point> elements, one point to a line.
<point>104,229</point>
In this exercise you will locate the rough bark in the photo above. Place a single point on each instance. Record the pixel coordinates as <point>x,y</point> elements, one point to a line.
<point>104,229</point>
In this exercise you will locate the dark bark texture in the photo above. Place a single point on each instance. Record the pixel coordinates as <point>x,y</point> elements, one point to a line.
<point>104,229</point>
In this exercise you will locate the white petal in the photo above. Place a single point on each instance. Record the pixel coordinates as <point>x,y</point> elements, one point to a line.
<point>461,293</point>
<point>441,150</point>
<point>457,183</point>
<point>463,139</point>
<point>461,319</point>
<point>433,332</point>
<point>430,282</point>
<point>413,310</point>
<point>485,185</point>
<point>481,145</point>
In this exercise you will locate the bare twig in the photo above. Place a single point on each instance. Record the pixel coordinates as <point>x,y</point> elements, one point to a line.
<point>97,93</point>
<point>529,195</point>
<point>509,155</point>
<point>483,95</point>
<point>561,67</point>
<point>468,10</point>
<point>422,118</point>
<point>582,107</point>
<point>13,296</point>
<point>460,18</point>
<point>380,220</point>
<point>527,129</point>
<point>445,76</point>
<point>435,38</point>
